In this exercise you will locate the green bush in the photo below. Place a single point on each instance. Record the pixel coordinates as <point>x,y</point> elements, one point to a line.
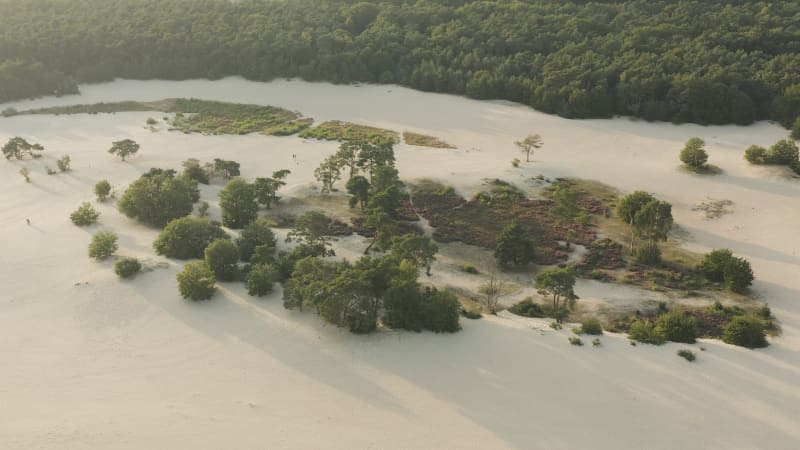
<point>677,326</point>
<point>745,331</point>
<point>102,190</point>
<point>694,154</point>
<point>687,355</point>
<point>238,203</point>
<point>63,163</point>
<point>440,311</point>
<point>187,237</point>
<point>196,281</point>
<point>127,267</point>
<point>576,341</point>
<point>84,215</point>
<point>514,247</point>
<point>222,257</point>
<point>261,279</point>
<point>596,342</point>
<point>591,326</point>
<point>527,308</point>
<point>103,245</point>
<point>646,333</point>
<point>756,154</point>
<point>720,265</point>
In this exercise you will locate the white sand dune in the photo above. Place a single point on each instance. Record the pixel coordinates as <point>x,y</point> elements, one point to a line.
<point>92,362</point>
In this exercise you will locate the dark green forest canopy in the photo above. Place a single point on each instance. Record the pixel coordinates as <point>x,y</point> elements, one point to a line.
<point>703,61</point>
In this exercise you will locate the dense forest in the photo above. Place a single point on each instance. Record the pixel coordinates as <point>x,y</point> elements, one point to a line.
<point>703,61</point>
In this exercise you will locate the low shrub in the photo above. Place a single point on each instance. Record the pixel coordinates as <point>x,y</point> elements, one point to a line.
<point>676,326</point>
<point>576,341</point>
<point>187,237</point>
<point>103,245</point>
<point>596,342</point>
<point>555,325</point>
<point>527,308</point>
<point>63,163</point>
<point>196,281</point>
<point>646,333</point>
<point>591,326</point>
<point>84,215</point>
<point>649,255</point>
<point>687,355</point>
<point>127,267</point>
<point>102,190</point>
<point>745,331</point>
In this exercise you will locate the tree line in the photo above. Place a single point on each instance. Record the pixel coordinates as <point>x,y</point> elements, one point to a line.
<point>702,61</point>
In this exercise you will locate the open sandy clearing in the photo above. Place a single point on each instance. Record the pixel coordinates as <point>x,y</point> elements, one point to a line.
<point>105,364</point>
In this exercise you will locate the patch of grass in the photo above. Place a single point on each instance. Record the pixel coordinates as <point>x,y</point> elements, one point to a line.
<point>527,308</point>
<point>591,326</point>
<point>687,355</point>
<point>479,221</point>
<point>423,140</point>
<point>201,116</point>
<point>335,130</point>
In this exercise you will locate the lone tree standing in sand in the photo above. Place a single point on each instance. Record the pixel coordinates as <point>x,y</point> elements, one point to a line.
<point>18,147</point>
<point>124,148</point>
<point>694,154</point>
<point>529,144</point>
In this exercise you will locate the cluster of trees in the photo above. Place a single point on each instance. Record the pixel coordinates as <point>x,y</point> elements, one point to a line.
<point>18,148</point>
<point>782,153</point>
<point>354,295</point>
<point>650,221</point>
<point>721,266</point>
<point>372,181</point>
<point>704,61</point>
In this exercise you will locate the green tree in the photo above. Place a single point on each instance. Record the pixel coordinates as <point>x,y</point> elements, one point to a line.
<point>192,169</point>
<point>158,197</point>
<point>238,203</point>
<point>745,331</point>
<point>652,223</point>
<point>795,133</point>
<point>261,279</point>
<point>359,188</point>
<point>694,153</point>
<point>267,188</point>
<point>629,206</point>
<point>102,190</point>
<point>527,146</point>
<point>374,153</point>
<point>514,248</point>
<point>127,267</point>
<point>84,215</point>
<point>222,257</point>
<point>416,248</point>
<point>196,281</point>
<point>558,283</point>
<point>721,266</point>
<point>187,237</point>
<point>440,311</point>
<point>312,229</point>
<point>402,301</point>
<point>18,147</point>
<point>225,168</point>
<point>254,235</point>
<point>103,245</point>
<point>124,148</point>
<point>328,173</point>
<point>309,282</point>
